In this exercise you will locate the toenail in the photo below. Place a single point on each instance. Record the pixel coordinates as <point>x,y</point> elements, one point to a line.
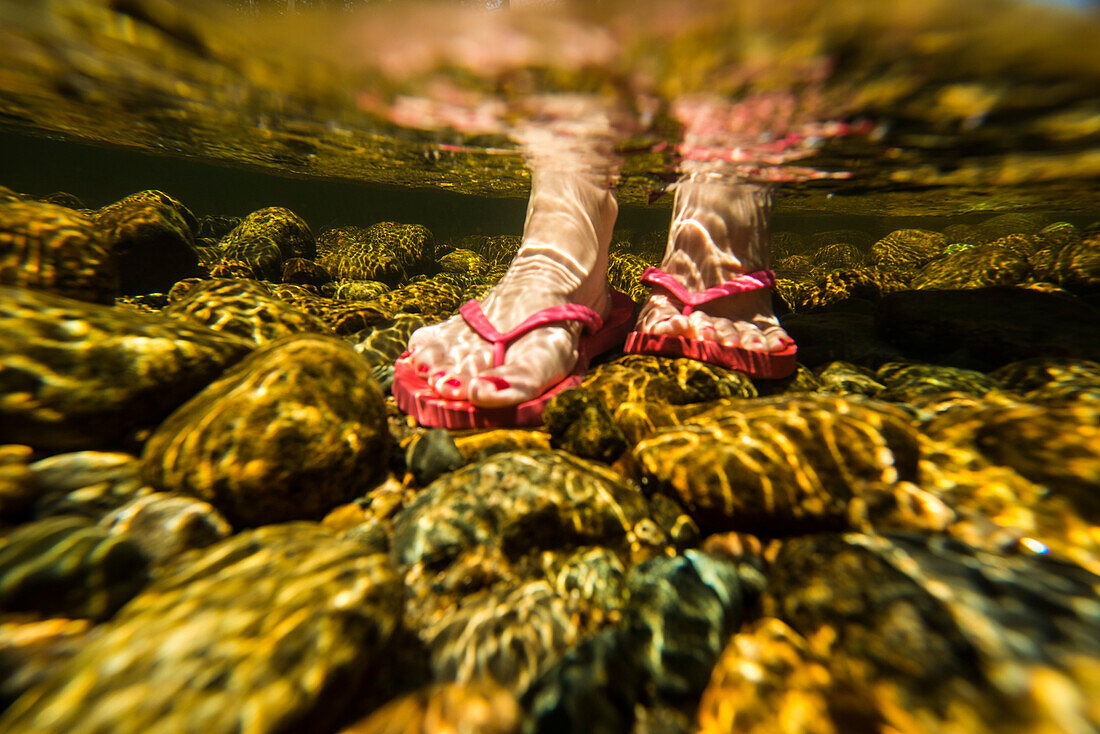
<point>422,368</point>
<point>438,373</point>
<point>453,382</point>
<point>405,354</point>
<point>498,382</point>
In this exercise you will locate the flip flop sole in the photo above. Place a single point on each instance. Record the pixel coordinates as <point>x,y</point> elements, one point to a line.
<point>766,365</point>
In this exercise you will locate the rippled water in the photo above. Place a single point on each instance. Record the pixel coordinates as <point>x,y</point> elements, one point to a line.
<point>865,107</point>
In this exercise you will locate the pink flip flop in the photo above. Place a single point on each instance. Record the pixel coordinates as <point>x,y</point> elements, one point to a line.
<point>416,397</point>
<point>770,365</point>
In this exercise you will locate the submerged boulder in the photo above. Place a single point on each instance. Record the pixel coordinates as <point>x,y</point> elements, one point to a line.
<point>274,630</point>
<point>152,238</point>
<point>54,249</point>
<point>78,375</point>
<point>294,430</point>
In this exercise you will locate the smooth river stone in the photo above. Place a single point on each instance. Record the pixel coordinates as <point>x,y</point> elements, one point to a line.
<point>278,629</point>
<point>930,634</point>
<point>780,465</point>
<point>767,680</point>
<point>294,430</point>
<point>152,239</point>
<point>67,566</point>
<point>479,708</point>
<point>55,249</point>
<point>520,502</point>
<point>75,375</point>
<point>244,308</point>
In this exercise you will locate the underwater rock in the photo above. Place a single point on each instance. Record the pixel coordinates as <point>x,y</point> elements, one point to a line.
<point>507,637</point>
<point>840,290</point>
<point>243,308</point>
<point>976,267</point>
<point>215,227</point>
<point>386,251</point>
<point>679,613</point>
<point>69,567</point>
<point>988,327</point>
<point>151,237</point>
<point>18,487</point>
<point>641,391</point>
<point>358,290</point>
<point>583,426</point>
<point>794,267</point>
<point>686,606</point>
<point>780,465</point>
<point>383,343</point>
<point>624,273</point>
<point>165,525</point>
<point>1003,225</point>
<point>1077,266</point>
<point>907,249</point>
<point>78,375</point>
<point>766,675</point>
<point>282,227</point>
<point>31,649</point>
<point>498,249</point>
<point>431,455</point>
<point>1058,447</point>
<point>292,431</point>
<point>519,502</point>
<point>433,298</point>
<point>1022,246</point>
<point>465,263</point>
<point>678,381</point>
<point>786,243</point>
<point>1034,373</point>
<point>299,271</point>
<point>274,630</point>
<point>838,336</point>
<point>54,249</point>
<point>1055,237</point>
<point>252,256</point>
<point>845,378</point>
<point>837,256</point>
<point>474,708</point>
<point>87,483</point>
<point>929,634</point>
<point>904,381</point>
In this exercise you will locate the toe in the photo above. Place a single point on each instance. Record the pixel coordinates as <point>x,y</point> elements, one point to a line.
<point>494,389</point>
<point>752,338</point>
<point>777,339</point>
<point>726,334</point>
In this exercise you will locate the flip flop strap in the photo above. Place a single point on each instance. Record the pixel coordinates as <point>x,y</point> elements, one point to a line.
<point>739,284</point>
<point>475,317</point>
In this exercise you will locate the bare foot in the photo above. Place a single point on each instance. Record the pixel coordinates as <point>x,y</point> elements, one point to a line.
<point>719,230</point>
<point>562,260</point>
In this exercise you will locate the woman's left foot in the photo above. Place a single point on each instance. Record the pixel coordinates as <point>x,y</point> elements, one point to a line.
<point>719,231</point>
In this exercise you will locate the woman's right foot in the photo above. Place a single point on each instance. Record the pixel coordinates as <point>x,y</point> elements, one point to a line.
<point>562,260</point>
